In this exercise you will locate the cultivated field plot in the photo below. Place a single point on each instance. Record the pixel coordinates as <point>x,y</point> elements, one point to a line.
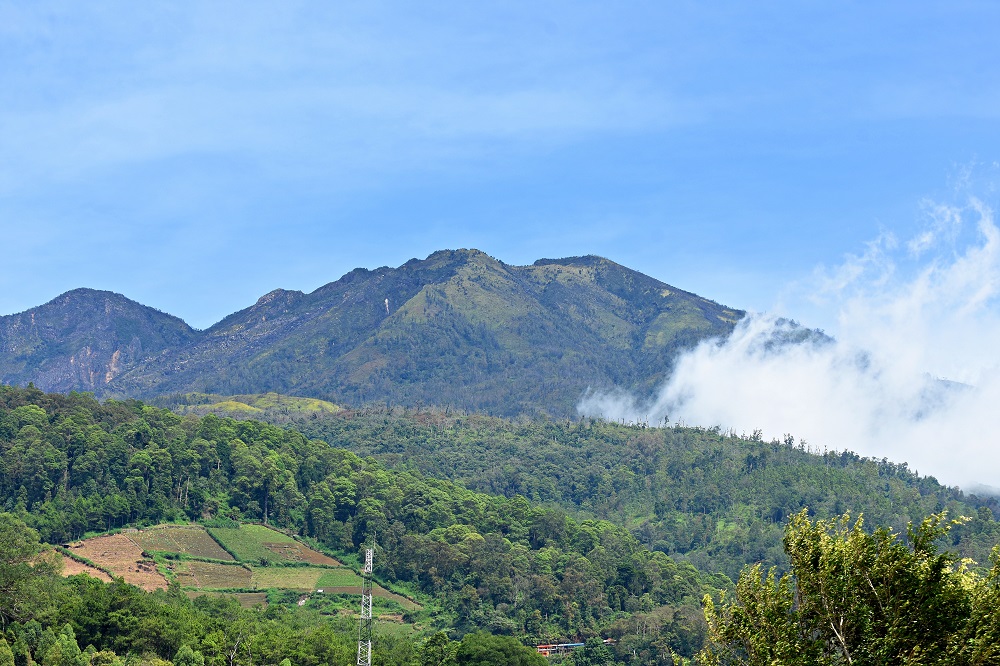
<point>338,578</point>
<point>296,578</point>
<point>253,543</point>
<point>71,568</point>
<point>188,539</point>
<point>123,556</point>
<point>210,575</point>
<point>246,599</point>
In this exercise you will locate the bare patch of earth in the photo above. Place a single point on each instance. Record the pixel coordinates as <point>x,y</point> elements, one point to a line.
<point>71,568</point>
<point>123,556</point>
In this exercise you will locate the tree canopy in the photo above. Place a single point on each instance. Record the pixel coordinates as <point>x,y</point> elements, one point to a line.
<point>859,598</point>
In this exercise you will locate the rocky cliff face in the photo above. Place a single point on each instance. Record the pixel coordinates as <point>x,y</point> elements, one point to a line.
<point>83,340</point>
<point>457,328</point>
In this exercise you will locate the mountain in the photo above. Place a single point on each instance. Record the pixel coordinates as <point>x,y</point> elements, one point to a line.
<point>458,328</point>
<point>83,340</point>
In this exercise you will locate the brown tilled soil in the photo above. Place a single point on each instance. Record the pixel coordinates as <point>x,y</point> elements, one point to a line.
<point>391,617</point>
<point>120,554</point>
<point>71,568</point>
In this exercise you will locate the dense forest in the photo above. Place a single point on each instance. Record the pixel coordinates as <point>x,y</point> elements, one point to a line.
<point>510,532</point>
<point>716,499</point>
<point>72,465</point>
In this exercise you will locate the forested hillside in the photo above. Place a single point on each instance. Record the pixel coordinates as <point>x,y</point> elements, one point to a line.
<point>72,465</point>
<point>458,328</point>
<point>717,499</point>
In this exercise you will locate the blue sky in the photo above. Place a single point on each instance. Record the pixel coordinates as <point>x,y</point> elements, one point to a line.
<point>194,156</point>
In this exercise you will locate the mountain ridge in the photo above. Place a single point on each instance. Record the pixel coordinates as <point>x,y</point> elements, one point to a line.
<point>456,328</point>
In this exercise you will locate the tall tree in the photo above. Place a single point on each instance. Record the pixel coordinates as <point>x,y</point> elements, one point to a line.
<point>26,569</point>
<point>859,598</point>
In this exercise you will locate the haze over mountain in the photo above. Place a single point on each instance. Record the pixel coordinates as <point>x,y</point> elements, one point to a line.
<point>457,328</point>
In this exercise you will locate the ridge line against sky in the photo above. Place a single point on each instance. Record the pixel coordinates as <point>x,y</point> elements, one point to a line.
<point>195,157</point>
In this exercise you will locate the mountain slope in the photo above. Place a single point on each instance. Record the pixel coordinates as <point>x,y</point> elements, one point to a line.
<point>458,328</point>
<point>83,340</point>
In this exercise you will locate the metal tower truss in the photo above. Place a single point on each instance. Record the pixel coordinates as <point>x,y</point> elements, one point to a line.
<point>365,627</point>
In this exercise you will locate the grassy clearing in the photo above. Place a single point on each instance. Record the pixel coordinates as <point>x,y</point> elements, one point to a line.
<point>338,578</point>
<point>190,540</point>
<point>210,575</point>
<point>247,541</point>
<point>245,599</point>
<point>254,543</point>
<point>289,578</point>
<point>252,405</point>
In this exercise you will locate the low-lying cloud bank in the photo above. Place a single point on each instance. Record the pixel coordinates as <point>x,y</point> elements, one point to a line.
<point>912,374</point>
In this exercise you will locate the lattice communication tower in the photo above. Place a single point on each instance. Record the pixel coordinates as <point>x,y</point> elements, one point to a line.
<point>365,628</point>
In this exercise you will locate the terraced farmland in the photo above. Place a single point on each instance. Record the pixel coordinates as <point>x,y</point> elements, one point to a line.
<point>301,578</point>
<point>255,546</point>
<point>256,543</point>
<point>123,556</point>
<point>71,568</point>
<point>212,576</point>
<point>245,599</point>
<point>186,539</point>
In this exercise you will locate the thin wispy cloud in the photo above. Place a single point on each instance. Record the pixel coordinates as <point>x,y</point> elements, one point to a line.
<point>912,374</point>
<point>276,86</point>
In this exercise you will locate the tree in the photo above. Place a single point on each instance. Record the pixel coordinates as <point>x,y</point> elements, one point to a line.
<point>593,653</point>
<point>6,654</point>
<point>25,569</point>
<point>860,599</point>
<point>187,657</point>
<point>483,649</point>
<point>438,650</point>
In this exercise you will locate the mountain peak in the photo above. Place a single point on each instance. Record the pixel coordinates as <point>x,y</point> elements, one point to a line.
<point>83,339</point>
<point>457,328</point>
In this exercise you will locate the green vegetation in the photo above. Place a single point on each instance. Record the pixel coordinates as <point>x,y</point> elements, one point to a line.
<point>859,598</point>
<point>25,570</point>
<point>300,578</point>
<point>81,621</point>
<point>461,328</point>
<point>192,541</point>
<point>72,465</point>
<point>574,568</point>
<point>337,578</point>
<point>261,406</point>
<point>249,543</point>
<point>715,499</point>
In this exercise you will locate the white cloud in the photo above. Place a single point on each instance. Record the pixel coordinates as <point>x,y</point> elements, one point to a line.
<point>913,374</point>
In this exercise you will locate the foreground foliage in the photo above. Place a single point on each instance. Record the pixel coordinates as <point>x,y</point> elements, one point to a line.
<point>859,598</point>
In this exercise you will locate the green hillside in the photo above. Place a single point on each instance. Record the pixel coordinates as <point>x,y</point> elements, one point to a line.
<point>458,328</point>
<point>72,465</point>
<point>715,499</point>
<point>586,528</point>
